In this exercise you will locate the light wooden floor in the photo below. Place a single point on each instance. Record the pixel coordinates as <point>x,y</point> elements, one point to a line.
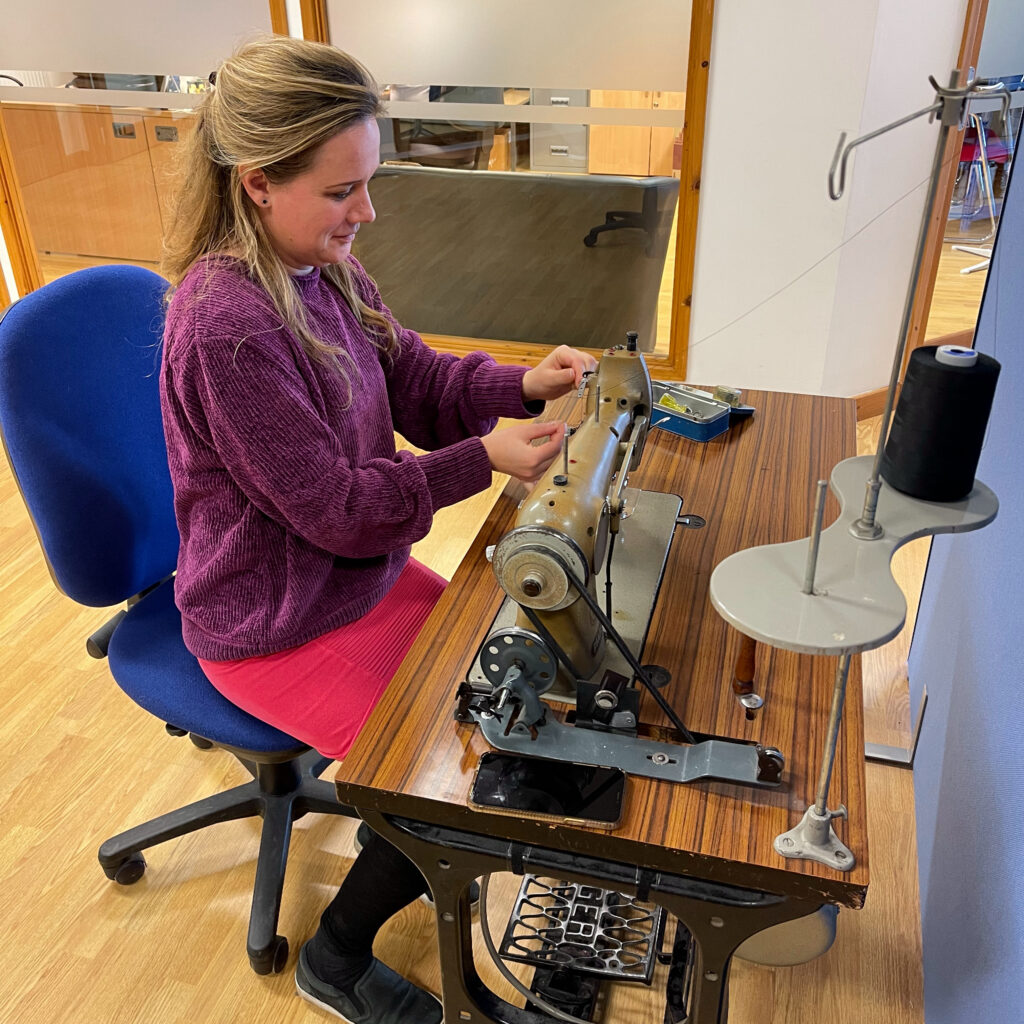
<point>957,297</point>
<point>82,762</point>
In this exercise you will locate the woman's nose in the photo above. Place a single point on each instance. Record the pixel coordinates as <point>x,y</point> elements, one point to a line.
<point>367,214</point>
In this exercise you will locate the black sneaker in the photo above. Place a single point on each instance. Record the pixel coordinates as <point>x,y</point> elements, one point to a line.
<point>363,834</point>
<point>380,996</point>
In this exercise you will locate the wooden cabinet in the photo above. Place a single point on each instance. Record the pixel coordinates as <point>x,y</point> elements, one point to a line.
<point>94,181</point>
<point>633,149</point>
<point>165,134</point>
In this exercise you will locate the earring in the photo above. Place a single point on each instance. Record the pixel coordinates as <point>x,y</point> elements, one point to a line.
<point>265,201</point>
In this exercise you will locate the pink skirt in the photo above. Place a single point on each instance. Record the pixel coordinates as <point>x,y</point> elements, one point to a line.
<point>322,693</point>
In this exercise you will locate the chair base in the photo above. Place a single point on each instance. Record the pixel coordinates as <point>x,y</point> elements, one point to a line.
<point>645,219</point>
<point>280,792</point>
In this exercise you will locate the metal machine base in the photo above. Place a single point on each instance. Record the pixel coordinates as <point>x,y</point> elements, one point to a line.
<point>725,760</point>
<point>815,839</point>
<point>720,917</point>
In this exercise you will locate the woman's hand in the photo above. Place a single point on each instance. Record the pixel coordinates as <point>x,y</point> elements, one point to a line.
<point>558,373</point>
<point>512,450</point>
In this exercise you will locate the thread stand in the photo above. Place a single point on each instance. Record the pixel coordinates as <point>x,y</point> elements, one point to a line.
<point>951,107</point>
<point>851,603</point>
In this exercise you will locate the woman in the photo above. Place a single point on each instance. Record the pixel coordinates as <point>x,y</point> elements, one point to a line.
<point>284,378</point>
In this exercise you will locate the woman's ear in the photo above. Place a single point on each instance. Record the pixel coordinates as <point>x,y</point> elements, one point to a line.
<point>257,187</point>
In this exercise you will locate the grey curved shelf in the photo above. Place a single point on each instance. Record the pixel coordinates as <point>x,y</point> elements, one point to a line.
<point>856,605</point>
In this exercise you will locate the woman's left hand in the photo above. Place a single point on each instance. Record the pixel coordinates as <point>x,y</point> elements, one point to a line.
<point>558,373</point>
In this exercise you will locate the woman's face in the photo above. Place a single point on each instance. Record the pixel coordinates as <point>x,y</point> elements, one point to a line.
<point>313,218</point>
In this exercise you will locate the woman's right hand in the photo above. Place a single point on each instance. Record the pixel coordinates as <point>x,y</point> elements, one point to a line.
<point>512,450</point>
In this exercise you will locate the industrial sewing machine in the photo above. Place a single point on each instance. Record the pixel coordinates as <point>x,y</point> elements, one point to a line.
<point>553,638</point>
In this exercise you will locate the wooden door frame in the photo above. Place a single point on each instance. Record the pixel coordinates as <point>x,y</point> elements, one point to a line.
<point>279,18</point>
<point>314,21</point>
<point>872,403</point>
<point>28,274</point>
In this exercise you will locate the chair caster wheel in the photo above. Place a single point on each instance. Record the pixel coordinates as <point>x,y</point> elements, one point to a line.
<point>173,730</point>
<point>271,959</point>
<point>590,240</point>
<point>200,741</point>
<point>129,871</point>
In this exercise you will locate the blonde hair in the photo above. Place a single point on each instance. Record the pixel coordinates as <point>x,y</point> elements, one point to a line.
<point>274,103</point>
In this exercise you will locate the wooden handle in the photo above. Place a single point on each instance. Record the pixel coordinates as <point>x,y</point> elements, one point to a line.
<point>746,666</point>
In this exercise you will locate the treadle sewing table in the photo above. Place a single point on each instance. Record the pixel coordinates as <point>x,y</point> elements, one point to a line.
<point>703,851</point>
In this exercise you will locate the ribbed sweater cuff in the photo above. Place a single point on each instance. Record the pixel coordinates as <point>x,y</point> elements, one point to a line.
<point>498,391</point>
<point>456,472</point>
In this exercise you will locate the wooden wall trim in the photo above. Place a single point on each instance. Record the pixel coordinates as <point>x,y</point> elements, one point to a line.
<point>314,21</point>
<point>28,275</point>
<point>697,76</point>
<point>871,403</point>
<point>970,47</point>
<point>522,353</point>
<point>279,18</point>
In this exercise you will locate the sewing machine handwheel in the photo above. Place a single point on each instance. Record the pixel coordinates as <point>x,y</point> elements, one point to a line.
<point>523,648</point>
<point>530,564</point>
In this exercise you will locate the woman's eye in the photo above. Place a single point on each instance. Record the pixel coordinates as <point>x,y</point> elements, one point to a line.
<point>342,195</point>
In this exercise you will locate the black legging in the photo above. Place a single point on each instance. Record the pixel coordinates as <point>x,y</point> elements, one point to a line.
<point>379,884</point>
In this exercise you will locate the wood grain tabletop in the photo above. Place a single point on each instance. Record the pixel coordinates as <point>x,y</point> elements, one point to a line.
<point>754,485</point>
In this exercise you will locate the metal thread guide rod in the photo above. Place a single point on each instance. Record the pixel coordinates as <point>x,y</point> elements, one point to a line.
<point>812,554</point>
<point>561,479</point>
<point>951,105</point>
<point>814,838</point>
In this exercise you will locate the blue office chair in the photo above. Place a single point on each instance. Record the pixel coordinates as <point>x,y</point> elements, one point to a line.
<point>80,420</point>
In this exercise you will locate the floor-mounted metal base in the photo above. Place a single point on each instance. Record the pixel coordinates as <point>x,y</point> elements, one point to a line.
<point>815,839</point>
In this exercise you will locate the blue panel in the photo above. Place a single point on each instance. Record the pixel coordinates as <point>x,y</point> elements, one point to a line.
<point>969,771</point>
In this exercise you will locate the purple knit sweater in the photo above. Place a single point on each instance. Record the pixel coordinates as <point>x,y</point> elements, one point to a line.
<point>295,510</point>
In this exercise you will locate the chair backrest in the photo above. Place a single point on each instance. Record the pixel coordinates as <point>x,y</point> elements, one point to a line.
<point>80,418</point>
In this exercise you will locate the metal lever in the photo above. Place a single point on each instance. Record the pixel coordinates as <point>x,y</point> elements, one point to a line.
<point>615,497</point>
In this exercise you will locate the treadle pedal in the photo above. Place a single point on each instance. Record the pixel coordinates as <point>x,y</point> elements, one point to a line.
<point>680,977</point>
<point>568,991</point>
<point>582,928</point>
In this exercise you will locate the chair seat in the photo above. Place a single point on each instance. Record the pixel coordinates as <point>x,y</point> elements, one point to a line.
<point>151,663</point>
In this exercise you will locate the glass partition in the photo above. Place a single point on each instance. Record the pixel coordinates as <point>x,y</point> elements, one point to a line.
<point>96,179</point>
<point>510,213</point>
<point>986,155</point>
<point>531,179</point>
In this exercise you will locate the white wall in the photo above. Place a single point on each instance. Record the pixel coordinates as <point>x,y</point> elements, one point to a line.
<point>786,79</point>
<point>875,267</point>
<point>7,270</point>
<point>968,773</point>
<point>1002,45</point>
